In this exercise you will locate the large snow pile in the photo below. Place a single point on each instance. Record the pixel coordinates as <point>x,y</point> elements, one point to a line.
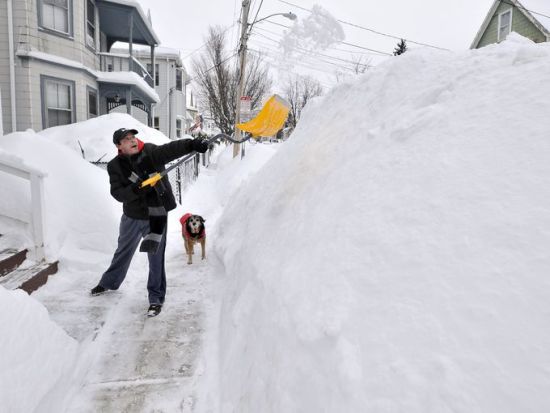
<point>78,208</point>
<point>36,357</point>
<point>393,256</point>
<point>95,136</point>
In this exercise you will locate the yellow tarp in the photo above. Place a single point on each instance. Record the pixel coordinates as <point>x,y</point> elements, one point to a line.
<point>269,120</point>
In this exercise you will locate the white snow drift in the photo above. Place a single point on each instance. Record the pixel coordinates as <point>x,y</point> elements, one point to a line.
<point>393,256</point>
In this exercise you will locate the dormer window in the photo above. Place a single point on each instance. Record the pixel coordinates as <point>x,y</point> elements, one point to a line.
<point>504,24</point>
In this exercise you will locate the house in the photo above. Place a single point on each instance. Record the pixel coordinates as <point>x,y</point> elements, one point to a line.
<point>192,110</point>
<point>56,65</point>
<point>170,84</point>
<point>529,18</point>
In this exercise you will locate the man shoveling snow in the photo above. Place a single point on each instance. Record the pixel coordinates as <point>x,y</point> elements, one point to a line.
<point>145,208</point>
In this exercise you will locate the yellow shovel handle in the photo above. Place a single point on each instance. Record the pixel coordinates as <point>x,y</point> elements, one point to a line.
<point>151,181</point>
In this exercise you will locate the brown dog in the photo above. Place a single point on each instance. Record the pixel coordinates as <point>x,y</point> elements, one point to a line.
<point>193,231</point>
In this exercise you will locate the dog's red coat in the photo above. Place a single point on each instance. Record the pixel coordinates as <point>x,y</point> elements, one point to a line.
<point>184,231</point>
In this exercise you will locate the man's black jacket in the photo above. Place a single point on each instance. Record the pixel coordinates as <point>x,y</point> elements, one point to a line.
<point>121,167</point>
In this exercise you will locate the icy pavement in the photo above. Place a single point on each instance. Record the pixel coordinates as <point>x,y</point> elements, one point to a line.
<point>129,362</point>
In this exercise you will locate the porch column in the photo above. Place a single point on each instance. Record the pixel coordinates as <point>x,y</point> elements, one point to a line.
<point>131,41</point>
<point>129,101</point>
<point>154,76</point>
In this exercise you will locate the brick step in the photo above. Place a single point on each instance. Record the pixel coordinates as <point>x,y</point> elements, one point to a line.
<point>29,276</point>
<point>10,259</point>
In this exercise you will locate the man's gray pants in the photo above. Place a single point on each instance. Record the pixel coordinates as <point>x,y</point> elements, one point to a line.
<point>130,234</point>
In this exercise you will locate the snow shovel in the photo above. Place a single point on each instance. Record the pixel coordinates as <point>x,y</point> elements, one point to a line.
<point>267,122</point>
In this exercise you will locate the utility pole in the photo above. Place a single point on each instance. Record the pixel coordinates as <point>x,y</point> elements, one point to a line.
<point>242,58</point>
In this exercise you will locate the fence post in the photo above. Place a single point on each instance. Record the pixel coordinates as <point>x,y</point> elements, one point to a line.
<point>37,206</point>
<point>197,161</point>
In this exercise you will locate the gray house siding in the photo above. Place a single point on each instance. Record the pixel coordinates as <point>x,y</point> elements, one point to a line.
<point>520,24</point>
<point>4,68</point>
<point>81,80</point>
<point>172,102</point>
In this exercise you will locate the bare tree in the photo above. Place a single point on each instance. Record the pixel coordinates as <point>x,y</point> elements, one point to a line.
<point>360,66</point>
<point>217,75</point>
<point>298,91</point>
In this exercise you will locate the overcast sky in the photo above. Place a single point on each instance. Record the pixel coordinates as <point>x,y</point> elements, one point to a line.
<point>449,24</point>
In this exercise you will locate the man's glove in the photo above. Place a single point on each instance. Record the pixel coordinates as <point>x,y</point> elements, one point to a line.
<point>200,145</point>
<point>138,190</point>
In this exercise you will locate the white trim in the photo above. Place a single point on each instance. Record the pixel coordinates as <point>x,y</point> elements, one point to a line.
<point>126,78</point>
<point>11,48</point>
<point>510,10</point>
<point>538,24</point>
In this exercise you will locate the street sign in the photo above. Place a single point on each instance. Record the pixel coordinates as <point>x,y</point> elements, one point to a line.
<point>246,105</point>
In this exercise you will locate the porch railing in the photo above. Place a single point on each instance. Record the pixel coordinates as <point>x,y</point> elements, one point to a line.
<point>37,200</point>
<point>120,62</point>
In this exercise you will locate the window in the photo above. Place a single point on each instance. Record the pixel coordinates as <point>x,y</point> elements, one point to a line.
<point>57,101</point>
<point>178,128</point>
<point>90,23</point>
<point>179,78</point>
<point>150,70</point>
<point>156,123</point>
<point>92,103</point>
<point>504,24</point>
<point>55,15</point>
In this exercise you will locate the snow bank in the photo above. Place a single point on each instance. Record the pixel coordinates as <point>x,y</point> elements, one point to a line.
<point>36,354</point>
<point>96,135</point>
<point>393,255</point>
<point>79,212</point>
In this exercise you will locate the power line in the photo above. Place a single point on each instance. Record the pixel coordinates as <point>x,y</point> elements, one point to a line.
<point>213,67</point>
<point>368,29</point>
<point>205,43</point>
<point>345,43</point>
<point>332,47</point>
<point>297,62</point>
<point>520,6</point>
<point>257,11</point>
<point>312,52</point>
<point>276,63</point>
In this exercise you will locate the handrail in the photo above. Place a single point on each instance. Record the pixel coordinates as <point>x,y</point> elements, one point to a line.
<point>134,65</point>
<point>37,199</point>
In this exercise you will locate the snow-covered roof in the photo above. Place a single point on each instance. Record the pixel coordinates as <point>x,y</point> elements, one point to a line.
<point>54,59</point>
<point>126,78</point>
<point>136,5</point>
<point>540,10</point>
<point>536,11</point>
<point>141,51</point>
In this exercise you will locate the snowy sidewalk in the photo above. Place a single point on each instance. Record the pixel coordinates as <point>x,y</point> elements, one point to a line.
<point>133,363</point>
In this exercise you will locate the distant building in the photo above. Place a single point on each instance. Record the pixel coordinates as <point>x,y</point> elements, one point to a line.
<point>169,115</point>
<point>192,110</point>
<point>56,65</point>
<point>525,17</point>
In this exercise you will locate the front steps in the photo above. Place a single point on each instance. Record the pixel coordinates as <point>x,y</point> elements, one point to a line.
<point>18,272</point>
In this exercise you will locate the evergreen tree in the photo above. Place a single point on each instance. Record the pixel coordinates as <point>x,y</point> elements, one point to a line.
<point>401,48</point>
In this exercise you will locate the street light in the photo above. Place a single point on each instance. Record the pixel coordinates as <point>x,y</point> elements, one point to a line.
<point>246,28</point>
